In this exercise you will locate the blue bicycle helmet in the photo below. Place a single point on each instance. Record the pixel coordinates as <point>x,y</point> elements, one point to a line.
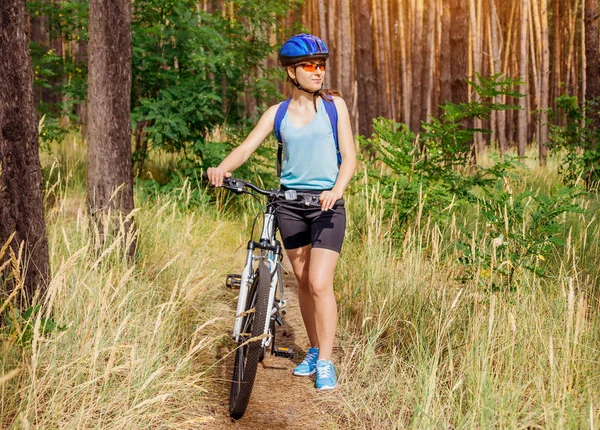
<point>302,47</point>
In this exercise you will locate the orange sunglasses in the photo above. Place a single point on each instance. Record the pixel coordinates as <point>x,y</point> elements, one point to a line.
<point>312,67</point>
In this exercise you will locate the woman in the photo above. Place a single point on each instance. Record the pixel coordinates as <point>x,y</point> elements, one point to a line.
<point>312,237</point>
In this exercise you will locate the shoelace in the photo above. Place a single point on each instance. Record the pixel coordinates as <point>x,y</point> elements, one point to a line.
<point>310,357</point>
<point>324,371</point>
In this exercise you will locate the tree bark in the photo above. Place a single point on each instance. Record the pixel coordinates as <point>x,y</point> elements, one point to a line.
<point>445,56</point>
<point>405,62</point>
<point>497,68</point>
<point>545,84</point>
<point>21,195</point>
<point>592,54</point>
<point>523,69</point>
<point>557,55</point>
<point>477,39</point>
<point>365,72</point>
<point>109,181</point>
<point>459,47</point>
<point>345,67</point>
<point>417,53</point>
<point>592,70</point>
<point>429,58</point>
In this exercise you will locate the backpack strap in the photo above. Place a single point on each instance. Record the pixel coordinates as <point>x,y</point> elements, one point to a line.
<point>281,110</point>
<point>333,117</point>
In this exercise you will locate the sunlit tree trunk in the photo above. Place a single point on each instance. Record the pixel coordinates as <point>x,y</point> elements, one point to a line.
<point>387,109</point>
<point>445,55</point>
<point>523,69</point>
<point>429,58</point>
<point>544,84</point>
<point>21,195</point>
<point>459,45</point>
<point>332,42</point>
<point>557,57</point>
<point>592,54</point>
<point>416,53</point>
<point>406,66</point>
<point>344,51</point>
<point>365,72</point>
<point>109,180</point>
<point>592,69</point>
<point>477,39</point>
<point>496,64</point>
<point>571,69</point>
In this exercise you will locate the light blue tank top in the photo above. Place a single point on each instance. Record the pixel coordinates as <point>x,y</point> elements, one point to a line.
<point>309,154</point>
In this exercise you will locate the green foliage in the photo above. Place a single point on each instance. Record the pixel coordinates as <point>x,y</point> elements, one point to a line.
<point>515,231</point>
<point>578,137</point>
<point>434,175</point>
<point>191,67</point>
<point>22,325</point>
<point>434,170</point>
<point>60,74</point>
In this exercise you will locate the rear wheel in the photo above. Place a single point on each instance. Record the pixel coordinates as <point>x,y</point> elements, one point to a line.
<point>248,355</point>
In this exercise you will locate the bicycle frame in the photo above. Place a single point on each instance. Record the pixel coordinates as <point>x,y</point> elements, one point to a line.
<point>270,252</point>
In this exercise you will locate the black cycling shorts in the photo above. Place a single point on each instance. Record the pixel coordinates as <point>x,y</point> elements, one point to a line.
<point>311,226</point>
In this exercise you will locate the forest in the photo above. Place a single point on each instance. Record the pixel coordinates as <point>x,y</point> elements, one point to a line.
<point>467,288</point>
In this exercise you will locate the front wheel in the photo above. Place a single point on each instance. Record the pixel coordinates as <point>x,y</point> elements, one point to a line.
<point>250,350</point>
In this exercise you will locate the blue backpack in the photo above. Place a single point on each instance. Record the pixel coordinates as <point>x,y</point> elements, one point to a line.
<point>282,109</point>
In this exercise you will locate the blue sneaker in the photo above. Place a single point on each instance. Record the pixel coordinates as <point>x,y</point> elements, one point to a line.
<point>326,379</point>
<point>309,364</point>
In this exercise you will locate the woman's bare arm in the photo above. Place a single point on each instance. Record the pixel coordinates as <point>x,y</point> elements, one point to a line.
<point>239,155</point>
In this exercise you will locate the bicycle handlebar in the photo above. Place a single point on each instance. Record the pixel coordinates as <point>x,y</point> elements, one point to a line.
<point>239,186</point>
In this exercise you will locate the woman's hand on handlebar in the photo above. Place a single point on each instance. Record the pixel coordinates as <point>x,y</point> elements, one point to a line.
<point>216,176</point>
<point>328,199</point>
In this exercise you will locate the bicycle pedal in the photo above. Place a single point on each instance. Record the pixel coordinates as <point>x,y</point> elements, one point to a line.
<point>233,281</point>
<point>283,352</point>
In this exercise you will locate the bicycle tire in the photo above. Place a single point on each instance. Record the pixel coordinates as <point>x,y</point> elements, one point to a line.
<point>248,356</point>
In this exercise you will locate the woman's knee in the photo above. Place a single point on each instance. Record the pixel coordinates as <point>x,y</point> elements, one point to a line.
<point>321,288</point>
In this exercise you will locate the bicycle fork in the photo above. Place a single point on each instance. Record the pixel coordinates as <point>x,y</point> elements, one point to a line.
<point>270,253</point>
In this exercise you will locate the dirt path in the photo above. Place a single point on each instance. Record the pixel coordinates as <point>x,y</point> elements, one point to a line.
<point>279,400</point>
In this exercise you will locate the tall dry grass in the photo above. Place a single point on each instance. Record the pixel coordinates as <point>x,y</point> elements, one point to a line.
<point>139,346</point>
<point>419,348</point>
<point>422,349</point>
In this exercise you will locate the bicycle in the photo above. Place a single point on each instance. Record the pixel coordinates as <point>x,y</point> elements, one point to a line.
<point>259,307</point>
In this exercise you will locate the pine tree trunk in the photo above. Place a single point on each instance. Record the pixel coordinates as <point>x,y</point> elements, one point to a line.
<point>545,84</point>
<point>535,49</point>
<point>523,69</point>
<point>497,68</point>
<point>592,54</point>
<point>406,66</point>
<point>459,47</point>
<point>557,56</point>
<point>417,66</point>
<point>365,72</point>
<point>477,38</point>
<point>445,56</point>
<point>21,195</point>
<point>428,56</point>
<point>592,70</point>
<point>345,67</point>
<point>109,181</point>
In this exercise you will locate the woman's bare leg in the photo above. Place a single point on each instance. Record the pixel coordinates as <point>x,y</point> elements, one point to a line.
<point>300,260</point>
<point>324,307</point>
